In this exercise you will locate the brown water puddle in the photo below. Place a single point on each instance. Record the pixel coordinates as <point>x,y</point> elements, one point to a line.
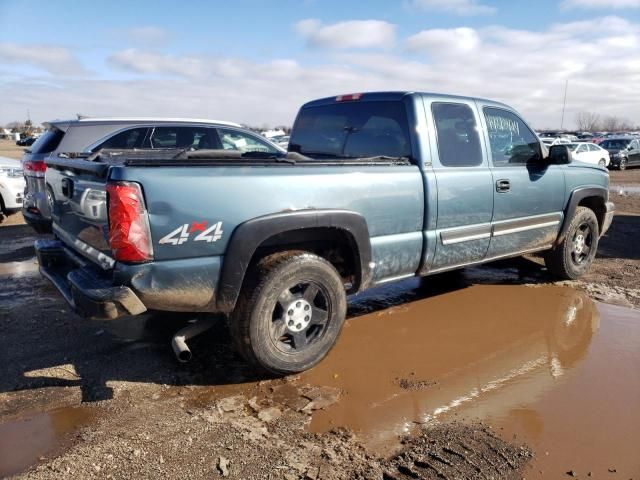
<point>18,269</point>
<point>546,365</point>
<point>23,442</point>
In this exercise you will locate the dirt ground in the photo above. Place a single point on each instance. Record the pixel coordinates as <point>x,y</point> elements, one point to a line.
<point>84,399</point>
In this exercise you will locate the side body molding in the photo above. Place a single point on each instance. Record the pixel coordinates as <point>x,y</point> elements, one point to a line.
<point>248,236</point>
<point>577,196</point>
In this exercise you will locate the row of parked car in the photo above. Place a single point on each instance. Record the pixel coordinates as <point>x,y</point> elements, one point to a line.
<point>617,152</point>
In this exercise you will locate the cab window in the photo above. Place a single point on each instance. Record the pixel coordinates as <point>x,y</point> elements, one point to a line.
<point>511,141</point>
<point>457,134</point>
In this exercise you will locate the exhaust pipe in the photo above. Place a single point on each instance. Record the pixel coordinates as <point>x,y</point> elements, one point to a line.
<point>179,340</point>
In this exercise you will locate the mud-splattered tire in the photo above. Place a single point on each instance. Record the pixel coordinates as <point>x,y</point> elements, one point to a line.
<point>290,312</point>
<point>573,257</point>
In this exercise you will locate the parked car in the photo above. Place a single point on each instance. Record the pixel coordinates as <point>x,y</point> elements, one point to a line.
<point>624,151</point>
<point>589,153</point>
<point>281,140</point>
<point>11,185</point>
<point>376,187</point>
<point>88,135</point>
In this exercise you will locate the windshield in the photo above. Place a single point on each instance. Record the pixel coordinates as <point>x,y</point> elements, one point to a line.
<point>615,144</point>
<point>352,129</point>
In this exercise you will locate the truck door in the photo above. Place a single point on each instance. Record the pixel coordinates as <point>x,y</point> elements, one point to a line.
<point>528,193</point>
<point>464,183</point>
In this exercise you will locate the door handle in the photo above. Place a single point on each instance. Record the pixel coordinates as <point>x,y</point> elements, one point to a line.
<point>503,186</point>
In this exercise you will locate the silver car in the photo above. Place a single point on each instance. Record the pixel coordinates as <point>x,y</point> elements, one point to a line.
<point>88,135</point>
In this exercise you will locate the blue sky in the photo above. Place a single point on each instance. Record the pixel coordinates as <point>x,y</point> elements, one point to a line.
<point>256,61</point>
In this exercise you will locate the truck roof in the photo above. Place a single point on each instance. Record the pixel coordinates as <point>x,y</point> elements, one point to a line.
<point>390,96</point>
<point>64,124</point>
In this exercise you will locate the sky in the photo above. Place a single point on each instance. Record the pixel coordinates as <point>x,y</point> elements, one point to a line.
<point>255,62</point>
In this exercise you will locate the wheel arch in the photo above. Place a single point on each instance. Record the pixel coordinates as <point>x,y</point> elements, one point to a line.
<point>594,198</point>
<point>275,232</point>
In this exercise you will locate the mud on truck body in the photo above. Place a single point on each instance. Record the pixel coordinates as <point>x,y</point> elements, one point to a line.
<point>375,187</point>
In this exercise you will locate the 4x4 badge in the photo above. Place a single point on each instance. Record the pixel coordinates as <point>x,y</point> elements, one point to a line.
<point>183,233</point>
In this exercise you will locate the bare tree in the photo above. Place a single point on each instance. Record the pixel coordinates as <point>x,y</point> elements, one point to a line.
<point>588,121</point>
<point>611,123</point>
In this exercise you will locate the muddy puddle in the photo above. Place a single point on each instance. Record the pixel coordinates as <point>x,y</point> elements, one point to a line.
<point>542,365</point>
<point>23,442</point>
<point>625,189</point>
<point>19,269</point>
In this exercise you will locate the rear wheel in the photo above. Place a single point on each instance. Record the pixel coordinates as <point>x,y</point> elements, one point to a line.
<point>623,163</point>
<point>573,257</point>
<point>289,313</point>
<point>602,163</point>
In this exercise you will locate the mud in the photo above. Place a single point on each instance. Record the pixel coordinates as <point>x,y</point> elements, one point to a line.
<point>544,366</point>
<point>23,442</point>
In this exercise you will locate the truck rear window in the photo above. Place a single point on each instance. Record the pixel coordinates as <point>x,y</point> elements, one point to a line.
<point>352,130</point>
<point>48,141</point>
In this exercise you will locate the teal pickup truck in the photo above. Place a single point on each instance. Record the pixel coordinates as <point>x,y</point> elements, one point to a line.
<point>375,187</point>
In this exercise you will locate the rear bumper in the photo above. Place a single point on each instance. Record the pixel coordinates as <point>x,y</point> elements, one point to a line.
<point>88,290</point>
<point>608,217</point>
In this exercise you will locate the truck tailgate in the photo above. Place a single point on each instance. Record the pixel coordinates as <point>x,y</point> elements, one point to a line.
<point>77,193</point>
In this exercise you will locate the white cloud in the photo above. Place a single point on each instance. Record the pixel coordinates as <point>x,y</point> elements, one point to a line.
<point>605,4</point>
<point>457,7</point>
<point>350,34</point>
<point>446,41</point>
<point>524,68</point>
<point>53,59</point>
<point>148,35</point>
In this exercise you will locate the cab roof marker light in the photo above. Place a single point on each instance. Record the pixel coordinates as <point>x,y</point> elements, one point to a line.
<point>349,98</point>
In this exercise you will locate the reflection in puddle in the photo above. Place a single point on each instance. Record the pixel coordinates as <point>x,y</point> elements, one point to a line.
<point>24,441</point>
<point>500,354</point>
<point>625,189</point>
<point>19,269</point>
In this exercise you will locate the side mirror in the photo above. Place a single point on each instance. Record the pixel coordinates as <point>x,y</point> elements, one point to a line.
<point>559,155</point>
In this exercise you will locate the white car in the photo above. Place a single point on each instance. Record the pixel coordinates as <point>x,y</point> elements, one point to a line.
<point>11,185</point>
<point>589,153</point>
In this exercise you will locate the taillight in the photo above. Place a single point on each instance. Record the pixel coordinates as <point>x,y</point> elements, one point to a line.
<point>34,168</point>
<point>129,235</point>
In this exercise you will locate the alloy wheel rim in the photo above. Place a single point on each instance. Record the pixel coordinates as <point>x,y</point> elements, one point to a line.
<point>581,243</point>
<point>300,317</point>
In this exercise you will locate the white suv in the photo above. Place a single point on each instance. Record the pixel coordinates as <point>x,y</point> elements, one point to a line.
<point>87,135</point>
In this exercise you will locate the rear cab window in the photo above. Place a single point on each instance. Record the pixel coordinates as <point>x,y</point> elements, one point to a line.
<point>48,141</point>
<point>457,135</point>
<point>352,130</point>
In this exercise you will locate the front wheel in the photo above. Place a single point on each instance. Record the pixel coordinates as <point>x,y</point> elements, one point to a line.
<point>290,312</point>
<point>573,257</point>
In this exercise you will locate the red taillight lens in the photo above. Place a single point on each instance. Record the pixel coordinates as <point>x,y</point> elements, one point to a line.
<point>34,168</point>
<point>129,234</point>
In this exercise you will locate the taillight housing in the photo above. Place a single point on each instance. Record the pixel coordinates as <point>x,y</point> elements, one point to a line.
<point>129,234</point>
<point>34,168</point>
